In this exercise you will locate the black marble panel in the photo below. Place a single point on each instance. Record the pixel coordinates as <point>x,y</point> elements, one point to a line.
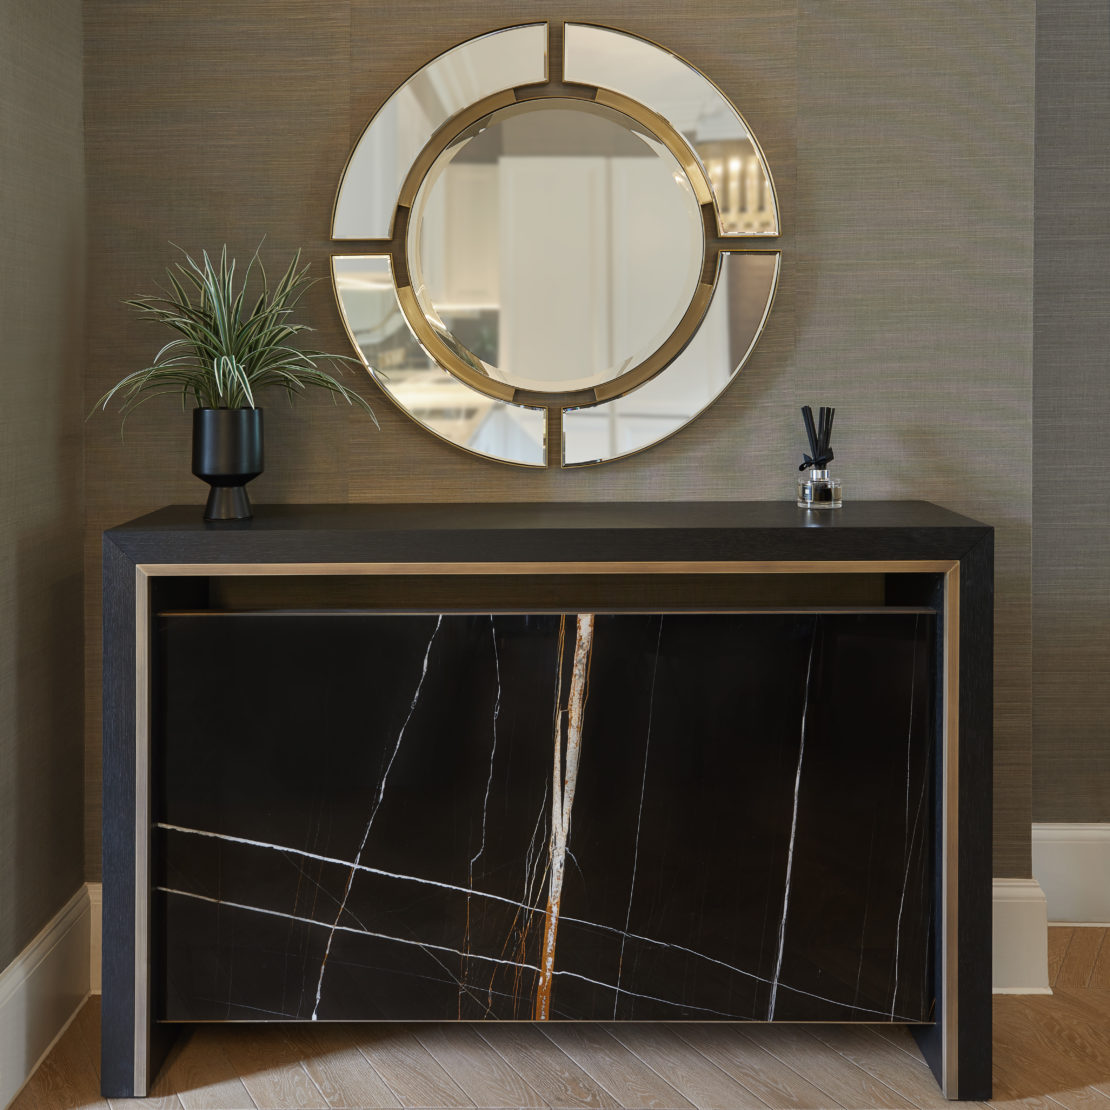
<point>372,816</point>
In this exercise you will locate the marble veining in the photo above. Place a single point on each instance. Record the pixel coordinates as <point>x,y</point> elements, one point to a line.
<point>909,839</point>
<point>564,778</point>
<point>751,803</point>
<point>793,829</point>
<point>639,812</point>
<point>624,934</point>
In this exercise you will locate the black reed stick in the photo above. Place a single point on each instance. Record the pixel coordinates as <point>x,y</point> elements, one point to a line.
<point>819,438</point>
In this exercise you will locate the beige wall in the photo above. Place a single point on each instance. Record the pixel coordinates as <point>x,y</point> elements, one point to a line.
<point>41,310</point>
<point>1071,408</point>
<point>901,139</point>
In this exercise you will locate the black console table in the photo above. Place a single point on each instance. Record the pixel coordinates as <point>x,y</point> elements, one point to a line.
<point>875,581</point>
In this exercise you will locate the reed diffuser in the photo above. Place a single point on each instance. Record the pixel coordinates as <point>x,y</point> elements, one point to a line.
<point>817,490</point>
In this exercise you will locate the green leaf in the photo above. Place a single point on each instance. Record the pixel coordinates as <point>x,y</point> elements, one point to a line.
<point>222,354</point>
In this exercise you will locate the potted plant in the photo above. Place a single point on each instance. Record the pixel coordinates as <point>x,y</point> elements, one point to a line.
<point>225,353</point>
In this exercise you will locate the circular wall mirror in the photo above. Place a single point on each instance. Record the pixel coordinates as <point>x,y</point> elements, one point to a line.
<point>576,178</point>
<point>554,262</point>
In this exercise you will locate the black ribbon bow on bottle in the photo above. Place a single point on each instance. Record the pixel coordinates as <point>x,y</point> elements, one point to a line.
<point>818,438</point>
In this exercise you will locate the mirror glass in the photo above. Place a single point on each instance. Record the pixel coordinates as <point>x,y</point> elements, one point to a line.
<point>372,181</point>
<point>741,301</point>
<point>556,246</point>
<point>564,253</point>
<point>443,404</point>
<point>694,107</point>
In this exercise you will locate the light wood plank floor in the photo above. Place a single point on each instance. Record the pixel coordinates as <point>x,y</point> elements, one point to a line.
<point>1049,1052</point>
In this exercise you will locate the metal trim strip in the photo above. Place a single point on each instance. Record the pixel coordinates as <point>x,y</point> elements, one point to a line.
<point>950,568</point>
<point>950,827</point>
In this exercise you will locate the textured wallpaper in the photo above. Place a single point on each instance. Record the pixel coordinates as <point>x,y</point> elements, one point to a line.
<point>901,141</point>
<point>1071,398</point>
<point>41,303</point>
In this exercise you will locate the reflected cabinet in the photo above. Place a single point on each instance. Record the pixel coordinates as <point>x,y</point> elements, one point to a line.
<point>693,762</point>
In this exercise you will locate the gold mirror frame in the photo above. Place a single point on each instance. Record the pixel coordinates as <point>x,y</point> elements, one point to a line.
<point>547,84</point>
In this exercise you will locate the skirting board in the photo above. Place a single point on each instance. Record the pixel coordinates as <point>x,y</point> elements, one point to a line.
<point>40,992</point>
<point>1072,864</point>
<point>1020,936</point>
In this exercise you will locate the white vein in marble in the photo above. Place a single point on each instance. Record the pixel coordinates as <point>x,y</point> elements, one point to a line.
<point>639,815</point>
<point>910,841</point>
<point>530,908</point>
<point>793,832</point>
<point>374,812</point>
<point>425,945</point>
<point>493,746</point>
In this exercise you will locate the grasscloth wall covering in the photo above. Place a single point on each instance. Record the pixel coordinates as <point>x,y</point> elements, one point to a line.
<point>41,308</point>
<point>1071,399</point>
<point>901,139</point>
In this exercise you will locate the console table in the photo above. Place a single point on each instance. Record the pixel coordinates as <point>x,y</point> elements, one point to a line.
<point>904,580</point>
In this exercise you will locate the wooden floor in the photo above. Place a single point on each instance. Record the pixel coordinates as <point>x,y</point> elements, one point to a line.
<point>1049,1052</point>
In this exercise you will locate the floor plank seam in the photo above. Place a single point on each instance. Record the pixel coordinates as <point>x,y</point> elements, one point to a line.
<point>1095,959</point>
<point>363,1053</point>
<point>739,1082</point>
<point>786,1063</point>
<point>689,1097</point>
<point>612,1094</point>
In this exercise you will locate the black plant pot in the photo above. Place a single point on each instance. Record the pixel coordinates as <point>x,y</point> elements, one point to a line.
<point>227,454</point>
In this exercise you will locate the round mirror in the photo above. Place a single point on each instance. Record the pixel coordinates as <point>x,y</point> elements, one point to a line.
<point>554,244</point>
<point>527,252</point>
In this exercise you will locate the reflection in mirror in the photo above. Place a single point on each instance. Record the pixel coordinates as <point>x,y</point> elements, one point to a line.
<point>402,127</point>
<point>694,106</point>
<point>741,301</point>
<point>381,335</point>
<point>557,247</point>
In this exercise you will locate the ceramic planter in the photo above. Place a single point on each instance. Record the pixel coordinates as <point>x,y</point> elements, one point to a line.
<point>227,454</point>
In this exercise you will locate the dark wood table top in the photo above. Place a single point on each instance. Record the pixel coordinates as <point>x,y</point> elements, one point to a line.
<point>554,531</point>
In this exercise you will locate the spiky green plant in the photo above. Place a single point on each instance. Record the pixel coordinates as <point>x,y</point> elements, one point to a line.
<point>224,355</point>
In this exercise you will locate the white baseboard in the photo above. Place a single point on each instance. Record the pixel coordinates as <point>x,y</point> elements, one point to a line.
<point>40,992</point>
<point>1020,938</point>
<point>1072,864</point>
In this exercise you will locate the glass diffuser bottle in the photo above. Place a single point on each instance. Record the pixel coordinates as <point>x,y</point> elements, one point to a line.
<point>816,490</point>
